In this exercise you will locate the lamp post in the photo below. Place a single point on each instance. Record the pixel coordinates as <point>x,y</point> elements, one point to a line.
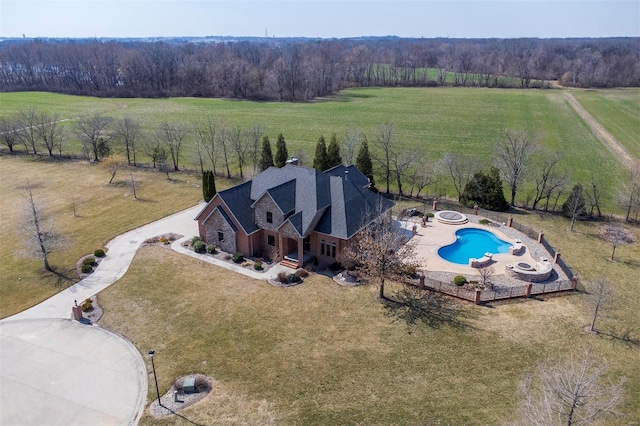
<point>151,353</point>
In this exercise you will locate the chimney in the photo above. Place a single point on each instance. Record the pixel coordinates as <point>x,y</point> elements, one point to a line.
<point>346,175</point>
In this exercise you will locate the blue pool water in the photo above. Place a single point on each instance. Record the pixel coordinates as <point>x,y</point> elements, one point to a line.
<point>472,242</point>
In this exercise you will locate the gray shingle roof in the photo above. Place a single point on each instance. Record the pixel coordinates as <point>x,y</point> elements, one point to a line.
<point>324,202</point>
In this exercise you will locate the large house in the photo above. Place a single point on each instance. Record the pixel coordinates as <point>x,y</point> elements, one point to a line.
<point>293,213</point>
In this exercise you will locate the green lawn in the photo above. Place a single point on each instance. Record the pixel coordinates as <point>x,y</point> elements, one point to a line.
<point>618,111</point>
<point>430,122</point>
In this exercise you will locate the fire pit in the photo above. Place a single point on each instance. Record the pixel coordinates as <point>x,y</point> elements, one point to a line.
<point>524,266</point>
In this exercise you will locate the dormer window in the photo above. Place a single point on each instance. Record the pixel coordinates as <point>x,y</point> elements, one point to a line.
<point>269,217</point>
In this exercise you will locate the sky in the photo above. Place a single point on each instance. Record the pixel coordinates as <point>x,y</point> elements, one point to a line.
<point>325,19</point>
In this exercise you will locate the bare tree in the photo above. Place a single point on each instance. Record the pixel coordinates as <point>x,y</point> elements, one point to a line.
<point>401,162</point>
<point>172,137</point>
<point>28,120</point>
<point>593,195</point>
<point>93,132</point>
<point>385,142</point>
<point>422,175</point>
<point>238,142</point>
<point>112,164</point>
<point>629,195</point>
<point>486,273</point>
<point>616,235</point>
<point>128,131</point>
<point>573,208</point>
<point>380,250</point>
<point>460,169</point>
<point>254,144</point>
<point>133,186</point>
<point>513,153</point>
<point>207,134</point>
<point>48,131</point>
<point>548,180</point>
<point>9,132</point>
<point>42,237</point>
<point>225,145</point>
<point>572,394</point>
<point>352,138</point>
<point>601,293</point>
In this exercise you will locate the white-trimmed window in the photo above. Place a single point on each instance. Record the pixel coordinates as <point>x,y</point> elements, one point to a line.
<point>327,249</point>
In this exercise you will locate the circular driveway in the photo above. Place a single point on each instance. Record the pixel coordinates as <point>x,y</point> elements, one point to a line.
<point>61,372</point>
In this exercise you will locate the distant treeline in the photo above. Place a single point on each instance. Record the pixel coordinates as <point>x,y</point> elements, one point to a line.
<point>295,69</point>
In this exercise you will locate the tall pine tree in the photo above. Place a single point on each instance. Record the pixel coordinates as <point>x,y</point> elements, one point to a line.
<point>363,162</point>
<point>320,160</point>
<point>281,152</point>
<point>208,185</point>
<point>266,157</point>
<point>333,153</point>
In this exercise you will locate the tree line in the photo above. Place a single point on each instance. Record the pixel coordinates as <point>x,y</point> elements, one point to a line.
<point>293,69</point>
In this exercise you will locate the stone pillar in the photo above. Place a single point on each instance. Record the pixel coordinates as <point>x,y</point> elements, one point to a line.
<point>421,285</point>
<point>527,290</point>
<point>77,313</point>
<point>509,222</point>
<point>555,258</point>
<point>476,299</point>
<point>540,236</point>
<point>435,205</point>
<point>475,209</point>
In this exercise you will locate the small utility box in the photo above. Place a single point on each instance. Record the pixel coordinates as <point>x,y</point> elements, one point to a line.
<point>189,385</point>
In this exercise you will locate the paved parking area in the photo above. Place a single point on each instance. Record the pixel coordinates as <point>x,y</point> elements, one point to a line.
<point>61,372</point>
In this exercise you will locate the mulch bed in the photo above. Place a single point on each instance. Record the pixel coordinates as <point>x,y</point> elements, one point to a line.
<point>170,406</point>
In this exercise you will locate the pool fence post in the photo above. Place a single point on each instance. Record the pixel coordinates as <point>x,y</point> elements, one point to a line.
<point>475,209</point>
<point>509,222</point>
<point>476,299</point>
<point>435,205</point>
<point>557,255</point>
<point>527,290</point>
<point>540,237</point>
<point>574,282</point>
<point>422,281</point>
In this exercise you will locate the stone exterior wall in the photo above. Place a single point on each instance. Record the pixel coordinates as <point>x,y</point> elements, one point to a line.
<point>215,223</point>
<point>289,231</point>
<point>264,205</point>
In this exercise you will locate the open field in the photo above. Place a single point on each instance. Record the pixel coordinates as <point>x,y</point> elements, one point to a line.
<point>618,111</point>
<point>430,121</point>
<point>322,354</point>
<point>103,211</point>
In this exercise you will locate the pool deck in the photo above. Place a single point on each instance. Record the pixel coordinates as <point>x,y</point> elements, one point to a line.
<point>435,235</point>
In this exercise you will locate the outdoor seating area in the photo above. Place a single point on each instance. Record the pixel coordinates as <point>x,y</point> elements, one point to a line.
<point>539,272</point>
<point>481,262</point>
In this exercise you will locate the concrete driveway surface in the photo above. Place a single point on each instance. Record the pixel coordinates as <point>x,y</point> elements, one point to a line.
<point>61,372</point>
<point>56,371</point>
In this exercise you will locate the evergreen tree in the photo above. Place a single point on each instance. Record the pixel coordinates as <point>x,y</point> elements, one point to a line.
<point>266,157</point>
<point>281,152</point>
<point>363,162</point>
<point>333,153</point>
<point>320,160</point>
<point>486,191</point>
<point>208,185</point>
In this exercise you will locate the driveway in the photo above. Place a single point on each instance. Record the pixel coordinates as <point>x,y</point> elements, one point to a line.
<point>56,371</point>
<point>61,372</point>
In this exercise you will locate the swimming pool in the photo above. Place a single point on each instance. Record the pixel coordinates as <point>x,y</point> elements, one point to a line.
<point>472,242</point>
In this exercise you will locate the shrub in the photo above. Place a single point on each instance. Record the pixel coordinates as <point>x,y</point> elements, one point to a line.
<point>429,214</point>
<point>86,268</point>
<point>459,280</point>
<point>293,278</point>
<point>211,249</point>
<point>302,273</point>
<point>227,257</point>
<point>282,277</point>
<point>99,253</point>
<point>257,266</point>
<point>86,305</point>
<point>335,266</point>
<point>199,246</point>
<point>164,240</point>
<point>89,261</point>
<point>237,257</point>
<point>410,270</point>
<point>484,221</point>
<point>195,239</point>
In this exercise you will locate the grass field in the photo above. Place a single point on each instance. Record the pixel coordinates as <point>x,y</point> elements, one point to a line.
<point>430,122</point>
<point>618,111</point>
<point>322,354</point>
<point>103,211</point>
